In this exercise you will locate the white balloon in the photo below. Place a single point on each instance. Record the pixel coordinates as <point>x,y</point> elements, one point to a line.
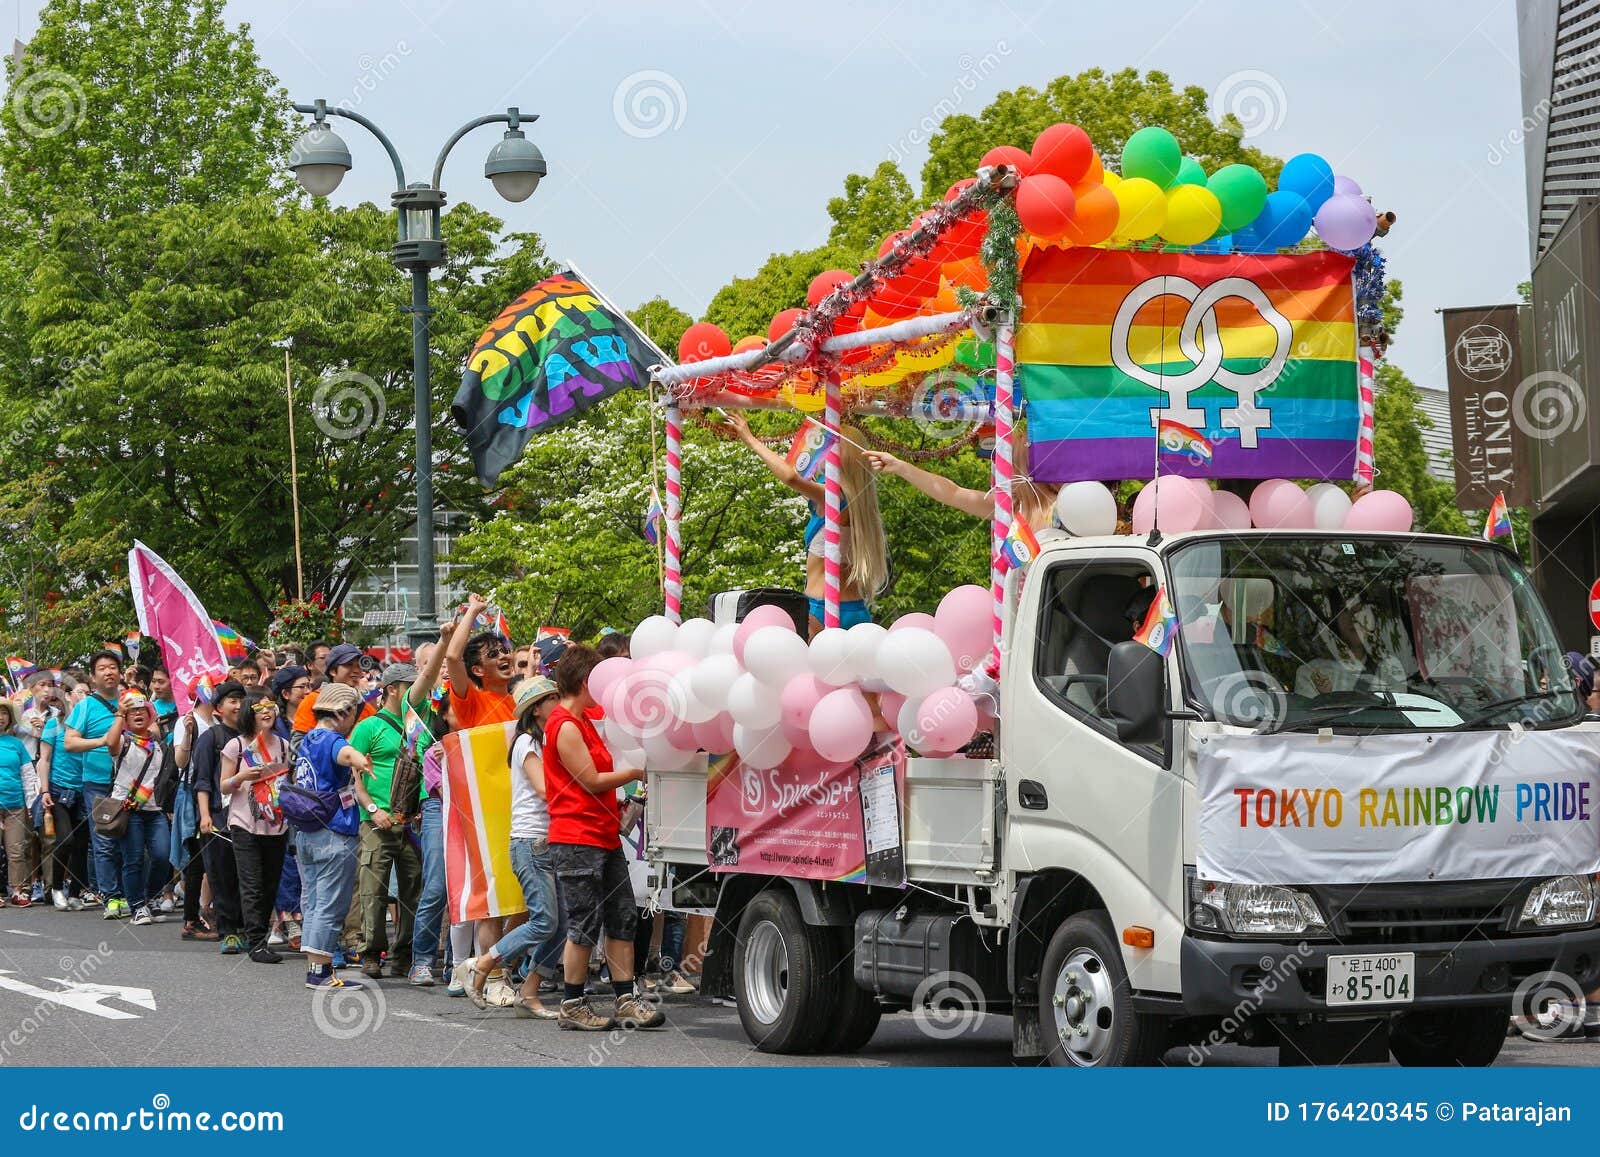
<point>1329,505</point>
<point>662,756</point>
<point>915,662</point>
<point>1086,509</point>
<point>775,655</point>
<point>712,678</point>
<point>652,637</point>
<point>830,657</point>
<point>761,747</point>
<point>623,757</point>
<point>685,704</point>
<point>722,639</point>
<point>694,636</point>
<point>907,724</point>
<point>864,643</point>
<point>754,704</point>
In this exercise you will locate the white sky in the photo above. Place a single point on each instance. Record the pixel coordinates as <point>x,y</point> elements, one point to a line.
<point>772,104</point>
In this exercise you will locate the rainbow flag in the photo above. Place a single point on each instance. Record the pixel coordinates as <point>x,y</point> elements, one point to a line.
<point>808,453</point>
<point>204,690</point>
<point>1020,546</point>
<point>234,645</point>
<point>1255,354</point>
<point>131,644</point>
<point>1498,521</point>
<point>1184,441</point>
<point>477,823</point>
<point>19,669</point>
<point>653,514</point>
<point>1160,624</point>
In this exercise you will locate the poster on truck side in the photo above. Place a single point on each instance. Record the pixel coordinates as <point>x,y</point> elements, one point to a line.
<point>1340,809</point>
<point>840,823</point>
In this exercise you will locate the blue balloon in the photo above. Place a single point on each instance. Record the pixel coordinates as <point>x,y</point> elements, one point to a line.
<point>1284,221</point>
<point>1248,240</point>
<point>1309,176</point>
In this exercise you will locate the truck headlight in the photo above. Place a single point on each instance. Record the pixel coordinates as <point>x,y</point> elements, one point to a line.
<point>1253,909</point>
<point>1564,900</point>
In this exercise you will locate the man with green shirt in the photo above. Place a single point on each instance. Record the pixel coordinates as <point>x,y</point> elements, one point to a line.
<point>384,844</point>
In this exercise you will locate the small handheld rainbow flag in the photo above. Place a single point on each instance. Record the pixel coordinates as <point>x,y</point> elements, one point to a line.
<point>19,668</point>
<point>234,645</point>
<point>653,515</point>
<point>808,454</point>
<point>1160,624</point>
<point>1020,545</point>
<point>1498,521</point>
<point>1176,438</point>
<point>204,690</point>
<point>130,644</point>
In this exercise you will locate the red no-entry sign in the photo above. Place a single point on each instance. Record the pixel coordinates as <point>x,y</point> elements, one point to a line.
<point>1594,604</point>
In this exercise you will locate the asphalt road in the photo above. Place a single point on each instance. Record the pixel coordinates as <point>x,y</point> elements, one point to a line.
<point>79,990</point>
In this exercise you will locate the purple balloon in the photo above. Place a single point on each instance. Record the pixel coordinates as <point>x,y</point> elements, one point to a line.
<point>1345,185</point>
<point>1346,221</point>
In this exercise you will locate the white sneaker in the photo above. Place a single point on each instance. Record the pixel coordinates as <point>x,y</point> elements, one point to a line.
<point>498,994</point>
<point>142,916</point>
<point>75,904</point>
<point>167,905</point>
<point>276,938</point>
<point>58,898</point>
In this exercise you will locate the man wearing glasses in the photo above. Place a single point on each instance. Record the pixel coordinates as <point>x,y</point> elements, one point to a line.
<point>480,670</point>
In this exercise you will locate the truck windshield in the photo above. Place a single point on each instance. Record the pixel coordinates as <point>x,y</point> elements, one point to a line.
<point>1285,633</point>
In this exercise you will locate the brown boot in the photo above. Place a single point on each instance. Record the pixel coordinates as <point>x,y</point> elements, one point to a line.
<point>634,1012</point>
<point>576,1014</point>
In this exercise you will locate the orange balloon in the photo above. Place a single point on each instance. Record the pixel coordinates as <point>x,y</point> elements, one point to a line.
<point>969,271</point>
<point>1097,171</point>
<point>746,344</point>
<point>945,301</point>
<point>1096,217</point>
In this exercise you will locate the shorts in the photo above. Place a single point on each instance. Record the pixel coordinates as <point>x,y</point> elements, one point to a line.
<point>851,613</point>
<point>596,893</point>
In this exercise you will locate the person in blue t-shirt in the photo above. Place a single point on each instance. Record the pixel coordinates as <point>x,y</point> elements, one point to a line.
<point>61,794</point>
<point>16,828</point>
<point>86,735</point>
<point>326,763</point>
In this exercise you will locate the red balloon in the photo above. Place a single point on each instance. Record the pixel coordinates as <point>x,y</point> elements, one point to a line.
<point>893,301</point>
<point>703,340</point>
<point>1045,205</point>
<point>1010,156</point>
<point>1095,218</point>
<point>959,188</point>
<point>825,283</point>
<point>918,271</point>
<point>783,323</point>
<point>1063,151</point>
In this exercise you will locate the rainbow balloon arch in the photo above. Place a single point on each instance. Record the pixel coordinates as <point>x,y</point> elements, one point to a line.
<point>952,286</point>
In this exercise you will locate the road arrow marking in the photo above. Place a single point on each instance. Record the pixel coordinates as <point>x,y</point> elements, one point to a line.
<point>142,997</point>
<point>83,997</point>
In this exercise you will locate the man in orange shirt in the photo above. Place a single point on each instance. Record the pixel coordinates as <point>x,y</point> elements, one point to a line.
<point>480,672</point>
<point>347,665</point>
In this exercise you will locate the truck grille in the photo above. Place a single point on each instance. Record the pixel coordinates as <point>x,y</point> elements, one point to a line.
<point>1442,912</point>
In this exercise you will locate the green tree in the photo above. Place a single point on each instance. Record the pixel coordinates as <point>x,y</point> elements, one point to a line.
<point>870,208</point>
<point>662,322</point>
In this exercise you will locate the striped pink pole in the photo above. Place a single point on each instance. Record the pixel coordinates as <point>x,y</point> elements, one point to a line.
<point>1004,344</point>
<point>672,512</point>
<point>1364,460</point>
<point>831,508</point>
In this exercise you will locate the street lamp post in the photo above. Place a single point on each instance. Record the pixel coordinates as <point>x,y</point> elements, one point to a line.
<point>515,166</point>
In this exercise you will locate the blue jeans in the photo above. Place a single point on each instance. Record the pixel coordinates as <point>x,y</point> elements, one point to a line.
<point>104,852</point>
<point>672,930</point>
<point>144,846</point>
<point>328,880</point>
<point>434,898</point>
<point>542,933</point>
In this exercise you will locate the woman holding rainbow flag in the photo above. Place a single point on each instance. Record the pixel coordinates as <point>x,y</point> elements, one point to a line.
<point>134,742</point>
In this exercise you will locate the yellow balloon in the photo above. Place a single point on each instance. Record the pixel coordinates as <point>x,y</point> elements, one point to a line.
<point>1110,180</point>
<point>1141,206</point>
<point>1193,215</point>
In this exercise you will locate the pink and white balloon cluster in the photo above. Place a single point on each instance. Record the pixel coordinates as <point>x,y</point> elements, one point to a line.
<point>758,688</point>
<point>1275,504</point>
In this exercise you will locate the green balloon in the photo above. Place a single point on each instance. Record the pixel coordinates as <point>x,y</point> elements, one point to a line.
<point>1190,172</point>
<point>1243,193</point>
<point>1152,153</point>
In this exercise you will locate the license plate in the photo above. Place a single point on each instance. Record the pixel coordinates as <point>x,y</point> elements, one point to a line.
<point>1372,978</point>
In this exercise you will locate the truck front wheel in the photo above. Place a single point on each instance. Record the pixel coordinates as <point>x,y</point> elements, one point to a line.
<point>1086,1014</point>
<point>781,978</point>
<point>1451,1037</point>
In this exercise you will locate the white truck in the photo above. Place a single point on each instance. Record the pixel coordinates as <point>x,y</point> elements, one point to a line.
<point>1348,812</point>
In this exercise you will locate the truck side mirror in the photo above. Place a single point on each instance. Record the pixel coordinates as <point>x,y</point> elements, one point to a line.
<point>1135,691</point>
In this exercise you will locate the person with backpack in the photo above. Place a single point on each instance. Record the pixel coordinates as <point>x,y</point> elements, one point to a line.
<point>86,730</point>
<point>134,744</point>
<point>254,763</point>
<point>187,844</point>
<point>211,804</point>
<point>385,844</point>
<point>61,795</point>
<point>320,804</point>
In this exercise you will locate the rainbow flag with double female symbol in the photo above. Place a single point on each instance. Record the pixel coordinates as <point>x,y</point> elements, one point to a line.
<point>477,823</point>
<point>1253,354</point>
<point>1160,624</point>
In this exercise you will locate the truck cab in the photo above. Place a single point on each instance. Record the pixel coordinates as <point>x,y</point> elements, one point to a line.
<point>1328,792</point>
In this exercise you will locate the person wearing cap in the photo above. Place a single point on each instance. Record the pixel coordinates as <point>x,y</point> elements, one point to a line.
<point>1583,672</point>
<point>327,765</point>
<point>253,765</point>
<point>345,664</point>
<point>291,684</point>
<point>134,744</point>
<point>384,844</point>
<point>542,933</point>
<point>211,806</point>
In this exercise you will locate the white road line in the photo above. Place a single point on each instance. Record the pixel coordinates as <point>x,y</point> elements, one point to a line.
<point>20,932</point>
<point>407,1014</point>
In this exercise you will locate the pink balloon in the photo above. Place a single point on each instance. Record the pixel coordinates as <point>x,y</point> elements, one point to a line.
<point>1379,510</point>
<point>715,735</point>
<point>841,726</point>
<point>1278,504</point>
<point>800,697</point>
<point>1208,505</point>
<point>645,702</point>
<point>889,705</point>
<point>1180,506</point>
<point>607,674</point>
<point>1229,511</point>
<point>672,662</point>
<point>764,616</point>
<point>947,720</point>
<point>915,619</point>
<point>681,735</point>
<point>964,621</point>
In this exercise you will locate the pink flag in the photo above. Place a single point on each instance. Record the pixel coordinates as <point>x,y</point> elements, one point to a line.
<point>169,611</point>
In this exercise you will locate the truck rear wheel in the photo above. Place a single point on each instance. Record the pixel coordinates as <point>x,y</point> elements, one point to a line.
<point>1086,1015</point>
<point>781,978</point>
<point>1451,1037</point>
<point>858,1012</point>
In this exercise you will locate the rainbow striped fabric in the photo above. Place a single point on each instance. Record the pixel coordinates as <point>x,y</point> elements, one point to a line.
<point>1255,355</point>
<point>234,645</point>
<point>477,823</point>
